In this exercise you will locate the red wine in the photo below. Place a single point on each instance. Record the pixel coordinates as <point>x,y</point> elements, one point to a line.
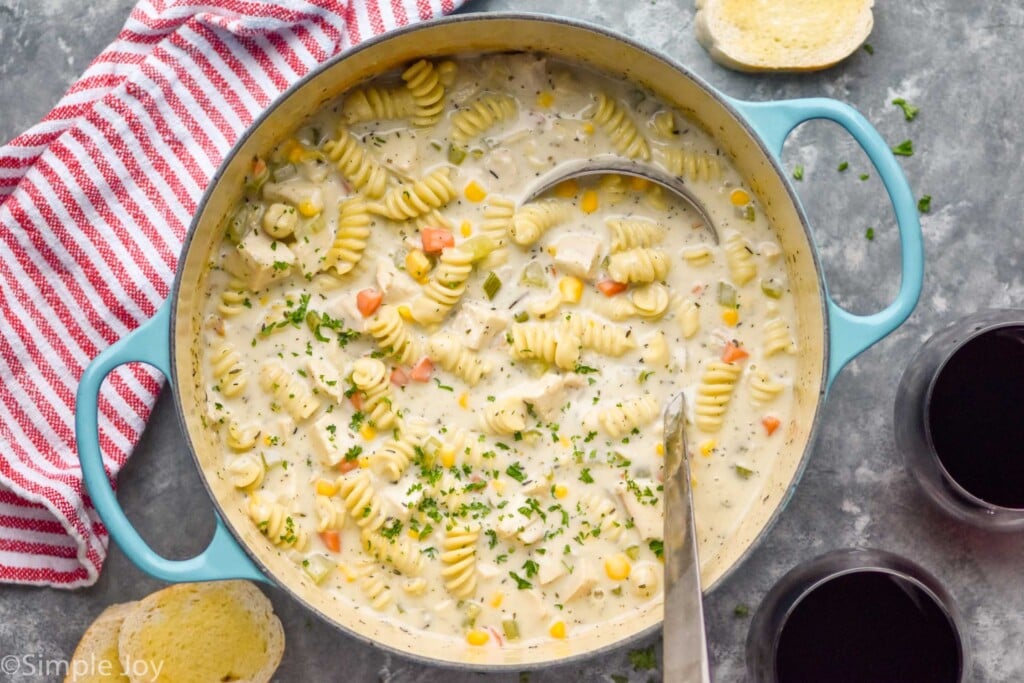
<point>976,416</point>
<point>868,626</point>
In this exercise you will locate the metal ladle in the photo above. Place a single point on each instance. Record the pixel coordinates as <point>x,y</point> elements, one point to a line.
<point>609,163</point>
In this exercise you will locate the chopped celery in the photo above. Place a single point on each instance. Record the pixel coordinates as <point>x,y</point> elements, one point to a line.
<point>533,275</point>
<point>242,221</point>
<point>511,628</point>
<point>772,288</point>
<point>479,246</point>
<point>521,317</point>
<point>456,154</point>
<point>472,612</point>
<point>727,295</point>
<point>284,172</point>
<point>317,224</point>
<point>430,448</point>
<point>492,284</point>
<point>633,552</point>
<point>318,567</point>
<point>744,472</point>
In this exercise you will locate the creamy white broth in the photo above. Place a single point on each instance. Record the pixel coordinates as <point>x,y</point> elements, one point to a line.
<point>559,497</point>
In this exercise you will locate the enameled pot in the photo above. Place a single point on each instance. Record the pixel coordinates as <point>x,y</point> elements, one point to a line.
<point>751,133</point>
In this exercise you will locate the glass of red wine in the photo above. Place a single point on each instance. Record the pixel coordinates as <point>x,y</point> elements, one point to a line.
<point>857,616</point>
<point>959,419</point>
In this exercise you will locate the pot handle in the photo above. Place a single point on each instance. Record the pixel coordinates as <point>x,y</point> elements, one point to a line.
<point>851,334</point>
<point>223,558</point>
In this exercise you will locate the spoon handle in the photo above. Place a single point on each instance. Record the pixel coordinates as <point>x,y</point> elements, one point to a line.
<point>685,650</point>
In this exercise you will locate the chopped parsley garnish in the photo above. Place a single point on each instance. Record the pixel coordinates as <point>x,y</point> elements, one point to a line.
<point>744,472</point>
<point>904,149</point>
<point>645,375</point>
<point>585,476</point>
<point>909,110</point>
<point>531,568</point>
<point>798,173</point>
<point>357,419</point>
<point>492,538</point>
<point>924,204</point>
<point>657,547</point>
<point>521,583</point>
<point>281,265</point>
<point>443,387</point>
<point>515,471</point>
<point>643,659</point>
<point>353,453</point>
<point>391,530</point>
<point>581,369</point>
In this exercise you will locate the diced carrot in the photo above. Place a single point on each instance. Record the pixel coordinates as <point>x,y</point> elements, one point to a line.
<point>259,167</point>
<point>611,287</point>
<point>331,539</point>
<point>422,371</point>
<point>399,378</point>
<point>771,423</point>
<point>732,353</point>
<point>368,301</point>
<point>347,465</point>
<point>357,400</point>
<point>435,240</point>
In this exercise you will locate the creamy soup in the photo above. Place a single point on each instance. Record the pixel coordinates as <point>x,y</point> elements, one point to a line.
<point>443,402</point>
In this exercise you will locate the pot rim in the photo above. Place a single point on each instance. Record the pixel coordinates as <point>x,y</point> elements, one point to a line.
<point>721,99</point>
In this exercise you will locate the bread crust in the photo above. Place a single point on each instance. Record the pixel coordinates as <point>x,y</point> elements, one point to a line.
<point>97,645</point>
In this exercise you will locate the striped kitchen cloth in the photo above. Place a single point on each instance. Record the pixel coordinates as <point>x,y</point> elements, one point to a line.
<point>94,204</point>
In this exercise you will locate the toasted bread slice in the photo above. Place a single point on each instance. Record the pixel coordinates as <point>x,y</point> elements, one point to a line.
<point>95,659</point>
<point>201,632</point>
<point>782,35</point>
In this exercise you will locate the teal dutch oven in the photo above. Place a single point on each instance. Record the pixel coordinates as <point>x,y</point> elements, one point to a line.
<point>752,133</point>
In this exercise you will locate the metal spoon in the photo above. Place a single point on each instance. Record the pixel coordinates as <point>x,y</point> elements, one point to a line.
<point>685,649</point>
<point>609,163</point>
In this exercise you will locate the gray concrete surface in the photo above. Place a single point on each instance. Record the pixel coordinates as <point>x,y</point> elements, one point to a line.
<point>960,62</point>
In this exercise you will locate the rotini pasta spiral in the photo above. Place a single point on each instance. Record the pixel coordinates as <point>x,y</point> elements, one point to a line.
<point>740,259</point>
<point>777,338</point>
<point>539,341</point>
<point>370,376</point>
<point>714,393</point>
<point>617,125</point>
<point>374,585</point>
<point>664,124</point>
<point>427,92</point>
<point>690,164</point>
<point>504,416</point>
<point>602,516</point>
<point>533,219</point>
<point>228,370</point>
<point>630,233</point>
<point>605,338</point>
<point>480,115</point>
<point>289,392</point>
<point>276,524</point>
<point>627,415</point>
<point>240,438</point>
<point>689,317</point>
<point>698,256</point>
<point>355,163</point>
<point>410,200</point>
<point>350,238</point>
<point>361,500</point>
<point>400,552</point>
<point>448,352</point>
<point>246,472</point>
<point>638,265</point>
<point>459,559</point>
<point>392,335</point>
<point>234,299</point>
<point>445,287</point>
<point>764,389</point>
<point>392,459</point>
<point>497,221</point>
<point>330,514</point>
<point>650,301</point>
<point>374,103</point>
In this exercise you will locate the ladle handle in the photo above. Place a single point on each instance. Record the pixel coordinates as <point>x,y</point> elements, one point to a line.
<point>223,558</point>
<point>850,334</point>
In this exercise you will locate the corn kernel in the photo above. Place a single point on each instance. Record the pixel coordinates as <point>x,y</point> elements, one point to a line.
<point>292,150</point>
<point>739,197</point>
<point>571,289</point>
<point>563,441</point>
<point>413,534</point>
<point>497,599</point>
<point>706,447</point>
<point>552,250</point>
<point>589,202</point>
<point>447,456</point>
<point>499,486</point>
<point>464,400</point>
<point>731,317</point>
<point>638,184</point>
<point>406,313</point>
<point>477,637</point>
<point>561,491</point>
<point>545,99</point>
<point>417,264</point>
<point>326,488</point>
<point>367,432</point>
<point>347,572</point>
<point>617,567</point>
<point>364,463</point>
<point>268,440</point>
<point>264,300</point>
<point>308,209</point>
<point>567,189</point>
<point>466,229</point>
<point>557,630</point>
<point>588,128</point>
<point>474,192</point>
<point>660,448</point>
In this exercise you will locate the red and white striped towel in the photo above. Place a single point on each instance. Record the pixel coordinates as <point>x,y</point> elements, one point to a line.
<point>94,204</point>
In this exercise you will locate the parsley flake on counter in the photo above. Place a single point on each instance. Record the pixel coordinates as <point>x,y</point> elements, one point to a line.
<point>924,204</point>
<point>869,234</point>
<point>643,659</point>
<point>904,149</point>
<point>863,176</point>
<point>909,110</point>
<point>798,173</point>
<point>869,49</point>
<point>843,165</point>
<point>741,610</point>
